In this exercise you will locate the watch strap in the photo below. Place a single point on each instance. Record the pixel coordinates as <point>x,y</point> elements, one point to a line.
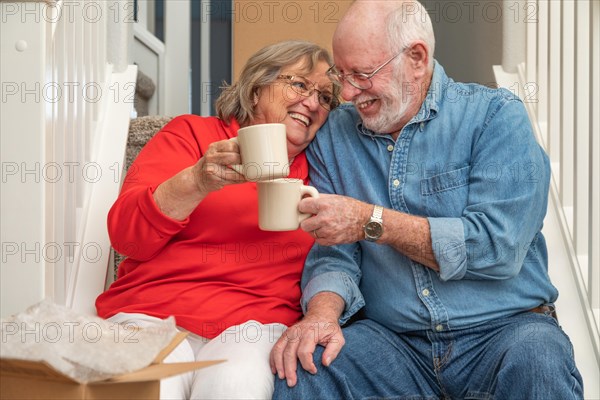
<point>377,214</point>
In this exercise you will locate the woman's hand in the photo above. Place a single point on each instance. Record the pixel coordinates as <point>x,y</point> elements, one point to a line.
<point>178,196</point>
<point>212,171</point>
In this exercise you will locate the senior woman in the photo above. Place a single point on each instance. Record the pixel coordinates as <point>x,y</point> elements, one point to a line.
<point>188,225</point>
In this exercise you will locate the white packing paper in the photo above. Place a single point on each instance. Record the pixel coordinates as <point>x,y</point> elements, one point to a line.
<point>83,347</point>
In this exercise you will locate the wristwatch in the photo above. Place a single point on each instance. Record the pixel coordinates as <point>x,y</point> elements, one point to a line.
<point>374,227</point>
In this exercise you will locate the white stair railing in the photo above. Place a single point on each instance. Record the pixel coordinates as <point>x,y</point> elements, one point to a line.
<point>65,112</point>
<point>558,79</point>
<point>567,114</point>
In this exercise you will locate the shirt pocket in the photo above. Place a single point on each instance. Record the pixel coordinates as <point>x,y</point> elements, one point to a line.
<point>446,194</point>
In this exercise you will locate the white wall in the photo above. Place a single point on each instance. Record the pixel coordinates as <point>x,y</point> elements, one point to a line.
<point>23,127</point>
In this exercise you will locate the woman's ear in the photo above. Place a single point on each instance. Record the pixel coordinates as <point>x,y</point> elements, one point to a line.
<point>255,97</point>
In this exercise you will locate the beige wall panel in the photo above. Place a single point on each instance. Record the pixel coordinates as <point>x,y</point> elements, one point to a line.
<point>258,23</point>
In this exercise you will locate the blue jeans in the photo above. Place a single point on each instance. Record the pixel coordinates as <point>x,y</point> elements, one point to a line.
<point>523,357</point>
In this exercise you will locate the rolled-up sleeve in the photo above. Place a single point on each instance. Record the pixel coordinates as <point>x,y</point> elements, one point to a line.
<point>505,210</point>
<point>333,269</point>
<point>448,242</point>
<point>339,283</point>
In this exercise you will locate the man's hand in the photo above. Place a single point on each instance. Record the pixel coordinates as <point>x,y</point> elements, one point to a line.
<point>319,327</point>
<point>337,219</point>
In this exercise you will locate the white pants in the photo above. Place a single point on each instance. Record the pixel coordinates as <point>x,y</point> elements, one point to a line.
<point>245,375</point>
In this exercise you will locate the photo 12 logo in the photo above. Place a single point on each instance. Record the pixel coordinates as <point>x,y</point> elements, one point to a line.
<point>66,331</point>
<point>245,11</point>
<point>66,92</point>
<point>68,172</point>
<point>68,11</point>
<point>51,252</point>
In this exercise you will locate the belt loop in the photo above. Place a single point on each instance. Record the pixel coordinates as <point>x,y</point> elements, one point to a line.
<point>546,309</point>
<point>552,311</point>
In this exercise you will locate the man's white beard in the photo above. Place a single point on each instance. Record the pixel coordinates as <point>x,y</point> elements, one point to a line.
<point>394,105</point>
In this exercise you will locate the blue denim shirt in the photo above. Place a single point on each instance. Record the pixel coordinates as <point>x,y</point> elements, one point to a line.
<point>469,163</point>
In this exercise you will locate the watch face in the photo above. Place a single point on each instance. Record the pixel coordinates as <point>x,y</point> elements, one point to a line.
<point>373,229</point>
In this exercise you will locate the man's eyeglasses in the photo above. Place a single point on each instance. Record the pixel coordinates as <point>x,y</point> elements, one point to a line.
<point>359,80</point>
<point>306,88</point>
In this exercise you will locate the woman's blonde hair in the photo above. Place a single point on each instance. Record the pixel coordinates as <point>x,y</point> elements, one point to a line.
<point>262,69</point>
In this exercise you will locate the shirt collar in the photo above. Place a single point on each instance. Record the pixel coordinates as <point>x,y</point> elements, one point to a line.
<point>435,94</point>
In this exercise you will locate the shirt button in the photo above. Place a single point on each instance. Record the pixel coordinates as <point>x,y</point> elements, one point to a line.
<point>390,148</point>
<point>396,182</point>
<point>425,292</point>
<point>439,328</point>
<point>422,126</point>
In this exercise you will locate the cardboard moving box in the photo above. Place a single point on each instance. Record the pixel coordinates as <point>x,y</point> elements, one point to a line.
<point>23,379</point>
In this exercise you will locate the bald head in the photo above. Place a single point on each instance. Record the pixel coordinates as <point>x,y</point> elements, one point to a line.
<point>364,21</point>
<point>387,46</point>
<point>367,15</point>
<point>385,25</point>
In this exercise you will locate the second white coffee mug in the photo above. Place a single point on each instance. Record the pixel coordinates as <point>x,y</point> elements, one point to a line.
<point>278,204</point>
<point>263,148</point>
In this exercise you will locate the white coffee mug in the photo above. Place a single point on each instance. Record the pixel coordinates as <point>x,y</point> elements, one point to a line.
<point>278,204</point>
<point>263,149</point>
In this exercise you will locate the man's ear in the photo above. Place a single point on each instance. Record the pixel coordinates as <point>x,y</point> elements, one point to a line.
<point>418,57</point>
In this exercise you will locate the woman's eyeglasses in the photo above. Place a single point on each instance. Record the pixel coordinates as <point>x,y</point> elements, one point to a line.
<point>306,88</point>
